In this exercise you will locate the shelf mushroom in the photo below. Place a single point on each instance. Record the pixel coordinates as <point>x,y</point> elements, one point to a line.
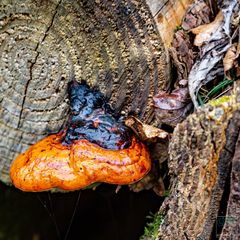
<point>94,147</point>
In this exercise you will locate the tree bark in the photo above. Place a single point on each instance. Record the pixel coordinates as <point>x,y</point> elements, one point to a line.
<point>231,221</point>
<point>112,45</point>
<point>201,151</point>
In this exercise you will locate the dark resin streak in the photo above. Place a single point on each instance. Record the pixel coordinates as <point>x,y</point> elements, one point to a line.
<point>91,118</point>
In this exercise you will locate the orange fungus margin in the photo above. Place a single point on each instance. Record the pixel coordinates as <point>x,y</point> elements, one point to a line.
<point>50,164</point>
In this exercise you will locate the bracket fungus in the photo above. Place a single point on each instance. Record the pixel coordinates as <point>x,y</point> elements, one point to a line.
<point>95,146</point>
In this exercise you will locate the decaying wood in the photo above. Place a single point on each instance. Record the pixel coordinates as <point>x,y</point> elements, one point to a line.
<point>145,132</point>
<point>231,227</point>
<point>112,45</point>
<point>200,151</point>
<point>168,15</point>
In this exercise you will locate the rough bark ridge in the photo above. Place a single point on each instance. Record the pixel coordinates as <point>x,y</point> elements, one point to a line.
<point>231,227</point>
<point>200,151</point>
<point>113,45</point>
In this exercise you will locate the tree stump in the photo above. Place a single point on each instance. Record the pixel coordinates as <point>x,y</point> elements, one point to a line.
<point>112,45</point>
<point>116,47</point>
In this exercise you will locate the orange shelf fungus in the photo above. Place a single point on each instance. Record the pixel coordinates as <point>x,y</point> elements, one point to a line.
<point>48,164</point>
<point>94,147</point>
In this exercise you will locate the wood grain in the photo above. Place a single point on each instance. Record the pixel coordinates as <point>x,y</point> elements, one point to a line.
<point>168,15</point>
<point>112,45</point>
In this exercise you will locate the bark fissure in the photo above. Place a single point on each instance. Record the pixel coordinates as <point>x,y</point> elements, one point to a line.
<point>217,229</point>
<point>160,9</point>
<point>112,45</point>
<point>35,60</point>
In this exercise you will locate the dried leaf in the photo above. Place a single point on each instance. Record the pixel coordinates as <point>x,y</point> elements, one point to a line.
<point>204,32</point>
<point>229,61</point>
<point>174,107</point>
<point>218,42</point>
<point>149,182</point>
<point>159,187</point>
<point>144,131</point>
<point>146,183</point>
<point>172,101</point>
<point>199,13</point>
<point>153,180</point>
<point>182,54</point>
<point>236,19</point>
<point>238,72</point>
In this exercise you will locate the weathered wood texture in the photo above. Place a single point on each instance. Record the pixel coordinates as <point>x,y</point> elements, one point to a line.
<point>201,151</point>
<point>231,228</point>
<point>113,45</point>
<point>168,14</point>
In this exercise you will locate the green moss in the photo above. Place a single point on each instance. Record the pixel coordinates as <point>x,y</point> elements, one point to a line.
<point>151,230</point>
<point>166,193</point>
<point>179,27</point>
<point>93,186</point>
<point>221,100</point>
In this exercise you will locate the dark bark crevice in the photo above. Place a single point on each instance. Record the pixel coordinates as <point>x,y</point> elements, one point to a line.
<point>31,65</point>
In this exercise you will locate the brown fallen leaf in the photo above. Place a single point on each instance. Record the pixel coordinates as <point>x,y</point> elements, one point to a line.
<point>204,32</point>
<point>149,182</point>
<point>154,181</point>
<point>182,51</point>
<point>199,13</point>
<point>238,72</point>
<point>236,19</point>
<point>230,58</point>
<point>217,40</point>
<point>144,131</point>
<point>146,183</point>
<point>158,146</point>
<point>174,107</point>
<point>182,54</point>
<point>159,187</point>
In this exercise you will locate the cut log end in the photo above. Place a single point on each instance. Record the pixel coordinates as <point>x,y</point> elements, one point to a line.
<point>112,45</point>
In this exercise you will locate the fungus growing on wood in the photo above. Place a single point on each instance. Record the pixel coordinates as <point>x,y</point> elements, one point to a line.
<point>95,146</point>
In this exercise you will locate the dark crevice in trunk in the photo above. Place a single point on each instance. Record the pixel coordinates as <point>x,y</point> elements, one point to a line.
<point>221,216</point>
<point>34,62</point>
<point>224,174</point>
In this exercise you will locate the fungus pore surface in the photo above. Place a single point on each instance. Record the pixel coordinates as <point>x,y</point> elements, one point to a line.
<point>95,146</point>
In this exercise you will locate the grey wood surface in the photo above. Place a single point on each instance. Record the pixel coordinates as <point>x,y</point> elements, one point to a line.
<point>112,45</point>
